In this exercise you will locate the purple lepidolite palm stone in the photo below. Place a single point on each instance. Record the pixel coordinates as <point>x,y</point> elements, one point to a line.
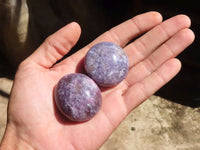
<point>107,64</point>
<point>78,97</point>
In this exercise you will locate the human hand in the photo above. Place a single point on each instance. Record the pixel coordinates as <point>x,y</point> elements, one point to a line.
<point>33,120</point>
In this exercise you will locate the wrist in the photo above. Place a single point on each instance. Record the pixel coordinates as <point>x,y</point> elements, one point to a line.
<point>12,140</point>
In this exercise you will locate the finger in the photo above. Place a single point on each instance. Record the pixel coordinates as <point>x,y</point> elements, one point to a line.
<point>142,47</point>
<point>129,29</point>
<point>120,35</point>
<point>168,50</point>
<point>140,91</point>
<point>56,45</point>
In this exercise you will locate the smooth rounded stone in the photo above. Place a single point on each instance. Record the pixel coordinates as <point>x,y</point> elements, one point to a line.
<point>107,64</point>
<point>78,97</point>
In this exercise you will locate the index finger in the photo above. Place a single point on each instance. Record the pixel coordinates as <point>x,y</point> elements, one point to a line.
<point>121,34</point>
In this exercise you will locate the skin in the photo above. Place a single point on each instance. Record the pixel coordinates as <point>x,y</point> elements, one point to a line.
<point>33,120</point>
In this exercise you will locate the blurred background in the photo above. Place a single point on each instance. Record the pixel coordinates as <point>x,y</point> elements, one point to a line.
<point>26,23</point>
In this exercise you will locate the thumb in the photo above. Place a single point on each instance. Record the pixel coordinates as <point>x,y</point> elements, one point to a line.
<point>56,45</point>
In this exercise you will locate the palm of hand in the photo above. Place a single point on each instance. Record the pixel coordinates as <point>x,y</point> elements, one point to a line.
<point>152,64</point>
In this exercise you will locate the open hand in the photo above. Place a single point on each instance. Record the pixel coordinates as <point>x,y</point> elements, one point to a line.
<point>33,120</point>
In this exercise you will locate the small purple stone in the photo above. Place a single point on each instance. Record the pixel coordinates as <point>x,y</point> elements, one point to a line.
<point>78,97</point>
<point>107,64</point>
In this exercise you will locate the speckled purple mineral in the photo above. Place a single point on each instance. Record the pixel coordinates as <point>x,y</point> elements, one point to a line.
<point>77,97</point>
<point>107,64</point>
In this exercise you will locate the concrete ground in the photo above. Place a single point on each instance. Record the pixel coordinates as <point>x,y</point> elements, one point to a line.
<point>5,87</point>
<point>157,124</point>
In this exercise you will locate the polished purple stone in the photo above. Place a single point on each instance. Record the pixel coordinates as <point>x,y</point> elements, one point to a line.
<point>107,64</point>
<point>78,97</point>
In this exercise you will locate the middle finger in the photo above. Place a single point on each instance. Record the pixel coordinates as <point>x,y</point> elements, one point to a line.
<point>145,45</point>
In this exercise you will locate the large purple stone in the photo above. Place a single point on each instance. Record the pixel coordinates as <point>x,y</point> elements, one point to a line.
<point>77,97</point>
<point>107,64</point>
